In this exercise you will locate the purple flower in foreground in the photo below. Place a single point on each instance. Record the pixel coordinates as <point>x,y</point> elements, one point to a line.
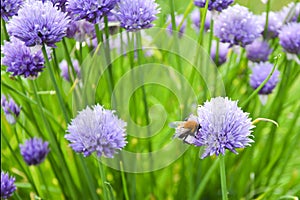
<point>217,5</point>
<point>96,130</point>
<point>289,37</point>
<point>7,185</point>
<point>10,8</point>
<point>34,151</point>
<point>63,65</point>
<point>222,51</point>
<point>259,73</point>
<point>178,20</point>
<point>237,26</point>
<point>39,23</point>
<point>135,15</point>
<point>223,126</point>
<point>258,51</point>
<point>11,109</point>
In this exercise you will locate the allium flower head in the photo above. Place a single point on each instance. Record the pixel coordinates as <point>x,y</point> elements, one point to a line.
<point>10,8</point>
<point>274,24</point>
<point>20,60</point>
<point>96,130</point>
<point>63,65</point>
<point>237,26</point>
<point>11,109</point>
<point>34,151</point>
<point>39,23</point>
<point>258,51</point>
<point>135,15</point>
<point>259,73</point>
<point>178,20</point>
<point>90,10</point>
<point>222,51</point>
<point>289,37</point>
<point>7,185</point>
<point>217,5</point>
<point>290,13</point>
<point>81,30</point>
<point>223,126</point>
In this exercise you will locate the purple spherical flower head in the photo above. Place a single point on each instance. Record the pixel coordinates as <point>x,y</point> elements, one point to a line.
<point>10,8</point>
<point>274,24</point>
<point>237,26</point>
<point>39,23</point>
<point>258,51</point>
<point>7,185</point>
<point>135,15</point>
<point>63,65</point>
<point>223,126</point>
<point>20,60</point>
<point>11,109</point>
<point>34,151</point>
<point>90,10</point>
<point>223,51</point>
<point>81,30</point>
<point>290,13</point>
<point>196,19</point>
<point>259,73</point>
<point>178,20</point>
<point>96,130</point>
<point>289,37</point>
<point>217,5</point>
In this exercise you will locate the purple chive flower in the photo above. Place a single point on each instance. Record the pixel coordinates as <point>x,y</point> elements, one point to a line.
<point>274,24</point>
<point>178,20</point>
<point>223,126</point>
<point>34,151</point>
<point>63,65</point>
<point>258,51</point>
<point>11,109</point>
<point>259,73</point>
<point>10,8</point>
<point>196,19</point>
<point>135,15</point>
<point>81,30</point>
<point>217,5</point>
<point>289,37</point>
<point>223,51</point>
<point>39,23</point>
<point>7,185</point>
<point>90,10</point>
<point>96,130</point>
<point>60,4</point>
<point>20,60</point>
<point>237,26</point>
<point>290,13</point>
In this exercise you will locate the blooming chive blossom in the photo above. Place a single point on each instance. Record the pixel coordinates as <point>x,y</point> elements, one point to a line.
<point>237,26</point>
<point>223,126</point>
<point>90,10</point>
<point>7,185</point>
<point>65,70</point>
<point>289,37</point>
<point>34,151</point>
<point>135,15</point>
<point>222,51</point>
<point>11,109</point>
<point>290,13</point>
<point>81,30</point>
<point>178,20</point>
<point>39,23</point>
<point>258,51</point>
<point>217,5</point>
<point>10,8</point>
<point>259,73</point>
<point>274,24</point>
<point>96,130</point>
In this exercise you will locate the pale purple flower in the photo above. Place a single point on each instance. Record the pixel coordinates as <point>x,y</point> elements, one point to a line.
<point>222,51</point>
<point>217,5</point>
<point>11,109</point>
<point>178,20</point>
<point>10,8</point>
<point>96,130</point>
<point>39,23</point>
<point>289,37</point>
<point>81,30</point>
<point>34,151</point>
<point>8,186</point>
<point>290,13</point>
<point>196,19</point>
<point>259,73</point>
<point>258,51</point>
<point>63,65</point>
<point>223,126</point>
<point>275,23</point>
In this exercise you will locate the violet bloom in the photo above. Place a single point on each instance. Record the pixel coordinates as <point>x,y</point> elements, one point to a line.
<point>223,126</point>
<point>274,24</point>
<point>34,151</point>
<point>63,65</point>
<point>11,109</point>
<point>10,8</point>
<point>258,51</point>
<point>81,30</point>
<point>290,13</point>
<point>60,4</point>
<point>39,23</point>
<point>237,26</point>
<point>222,51</point>
<point>217,5</point>
<point>259,73</point>
<point>8,186</point>
<point>178,20</point>
<point>196,19</point>
<point>135,15</point>
<point>96,130</point>
<point>289,37</point>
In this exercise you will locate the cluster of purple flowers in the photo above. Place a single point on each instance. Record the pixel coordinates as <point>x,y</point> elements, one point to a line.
<point>217,5</point>
<point>8,186</point>
<point>11,109</point>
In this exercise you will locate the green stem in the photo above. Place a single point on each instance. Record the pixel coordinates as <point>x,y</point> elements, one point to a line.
<point>103,180</point>
<point>223,177</point>
<point>44,182</point>
<point>201,32</point>
<point>6,36</point>
<point>71,72</point>
<point>267,18</point>
<point>124,182</point>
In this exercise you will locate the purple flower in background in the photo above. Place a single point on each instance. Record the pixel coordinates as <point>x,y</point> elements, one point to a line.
<point>11,109</point>
<point>10,8</point>
<point>34,151</point>
<point>90,10</point>
<point>96,130</point>
<point>290,13</point>
<point>196,19</point>
<point>39,23</point>
<point>223,51</point>
<point>258,51</point>
<point>289,37</point>
<point>223,126</point>
<point>135,15</point>
<point>63,65</point>
<point>178,20</point>
<point>81,30</point>
<point>217,5</point>
<point>7,185</point>
<point>20,60</point>
<point>259,73</point>
<point>237,26</point>
<point>274,24</point>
